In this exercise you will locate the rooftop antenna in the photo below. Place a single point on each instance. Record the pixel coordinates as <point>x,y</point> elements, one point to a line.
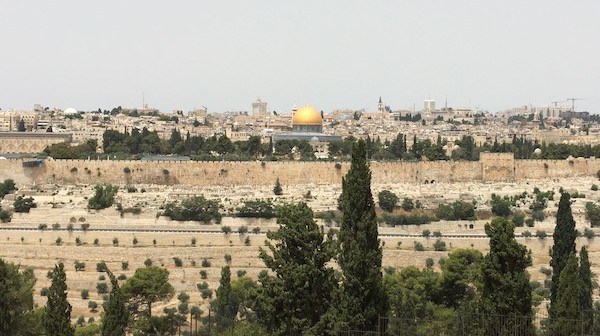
<point>143,99</point>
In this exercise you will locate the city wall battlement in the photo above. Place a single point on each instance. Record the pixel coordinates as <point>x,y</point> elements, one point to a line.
<point>491,167</point>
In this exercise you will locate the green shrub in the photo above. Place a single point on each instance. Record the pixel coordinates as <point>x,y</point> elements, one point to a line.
<point>387,200</point>
<point>178,262</point>
<point>92,305</point>
<point>104,197</point>
<point>589,233</point>
<point>226,229</point>
<point>526,234</point>
<point>24,204</point>
<point>426,233</point>
<point>102,288</point>
<point>7,187</point>
<point>241,273</point>
<point>541,234</point>
<point>85,294</point>
<point>545,271</point>
<point>79,266</point>
<point>203,274</point>
<point>401,219</point>
<point>5,216</point>
<point>439,245</point>
<point>196,208</point>
<point>148,262</point>
<point>458,210</point>
<point>594,187</point>
<point>518,219</point>
<point>592,213</point>
<point>429,262</point>
<point>206,263</point>
<point>256,209</point>
<point>419,246</point>
<point>407,204</point>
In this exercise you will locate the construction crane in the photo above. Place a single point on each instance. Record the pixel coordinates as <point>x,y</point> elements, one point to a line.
<point>573,102</point>
<point>558,101</point>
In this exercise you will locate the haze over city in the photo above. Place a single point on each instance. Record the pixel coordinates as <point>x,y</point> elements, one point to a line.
<point>223,55</point>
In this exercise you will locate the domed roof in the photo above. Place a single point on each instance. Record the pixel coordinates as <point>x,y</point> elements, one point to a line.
<point>70,110</point>
<point>307,115</point>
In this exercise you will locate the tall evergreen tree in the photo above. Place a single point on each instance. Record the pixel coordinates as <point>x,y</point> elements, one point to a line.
<point>116,315</point>
<point>506,289</point>
<point>567,308</point>
<point>16,298</point>
<point>585,299</point>
<point>362,297</point>
<point>295,300</point>
<point>57,317</point>
<point>564,244</point>
<point>225,308</point>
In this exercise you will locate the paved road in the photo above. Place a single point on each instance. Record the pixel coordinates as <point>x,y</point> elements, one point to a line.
<point>215,231</point>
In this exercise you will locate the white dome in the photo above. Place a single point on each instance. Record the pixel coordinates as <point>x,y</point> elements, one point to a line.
<point>70,110</point>
<point>537,151</point>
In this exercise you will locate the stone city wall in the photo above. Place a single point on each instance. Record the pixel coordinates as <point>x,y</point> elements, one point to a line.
<point>491,167</point>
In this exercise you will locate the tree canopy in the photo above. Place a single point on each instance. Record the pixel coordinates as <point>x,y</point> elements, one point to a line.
<point>148,285</point>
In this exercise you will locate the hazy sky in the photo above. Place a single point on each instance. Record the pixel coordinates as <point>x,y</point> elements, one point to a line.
<point>332,54</point>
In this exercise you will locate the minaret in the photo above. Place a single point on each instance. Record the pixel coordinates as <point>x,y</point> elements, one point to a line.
<point>536,127</point>
<point>380,106</point>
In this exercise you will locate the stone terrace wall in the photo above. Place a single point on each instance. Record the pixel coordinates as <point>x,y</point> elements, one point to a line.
<point>496,167</point>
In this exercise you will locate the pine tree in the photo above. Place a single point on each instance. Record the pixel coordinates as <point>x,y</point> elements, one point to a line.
<point>16,298</point>
<point>506,289</point>
<point>297,298</point>
<point>57,316</point>
<point>585,299</point>
<point>362,298</point>
<point>564,244</point>
<point>567,308</point>
<point>116,315</point>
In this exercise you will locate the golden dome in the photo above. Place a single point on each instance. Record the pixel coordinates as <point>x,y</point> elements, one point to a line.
<point>307,115</point>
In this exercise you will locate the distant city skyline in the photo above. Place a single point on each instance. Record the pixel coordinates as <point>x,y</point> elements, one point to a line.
<point>332,55</point>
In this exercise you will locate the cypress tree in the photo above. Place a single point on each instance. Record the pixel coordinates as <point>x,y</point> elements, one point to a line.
<point>57,316</point>
<point>116,315</point>
<point>362,298</point>
<point>506,289</point>
<point>567,308</point>
<point>226,310</point>
<point>564,244</point>
<point>585,299</point>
